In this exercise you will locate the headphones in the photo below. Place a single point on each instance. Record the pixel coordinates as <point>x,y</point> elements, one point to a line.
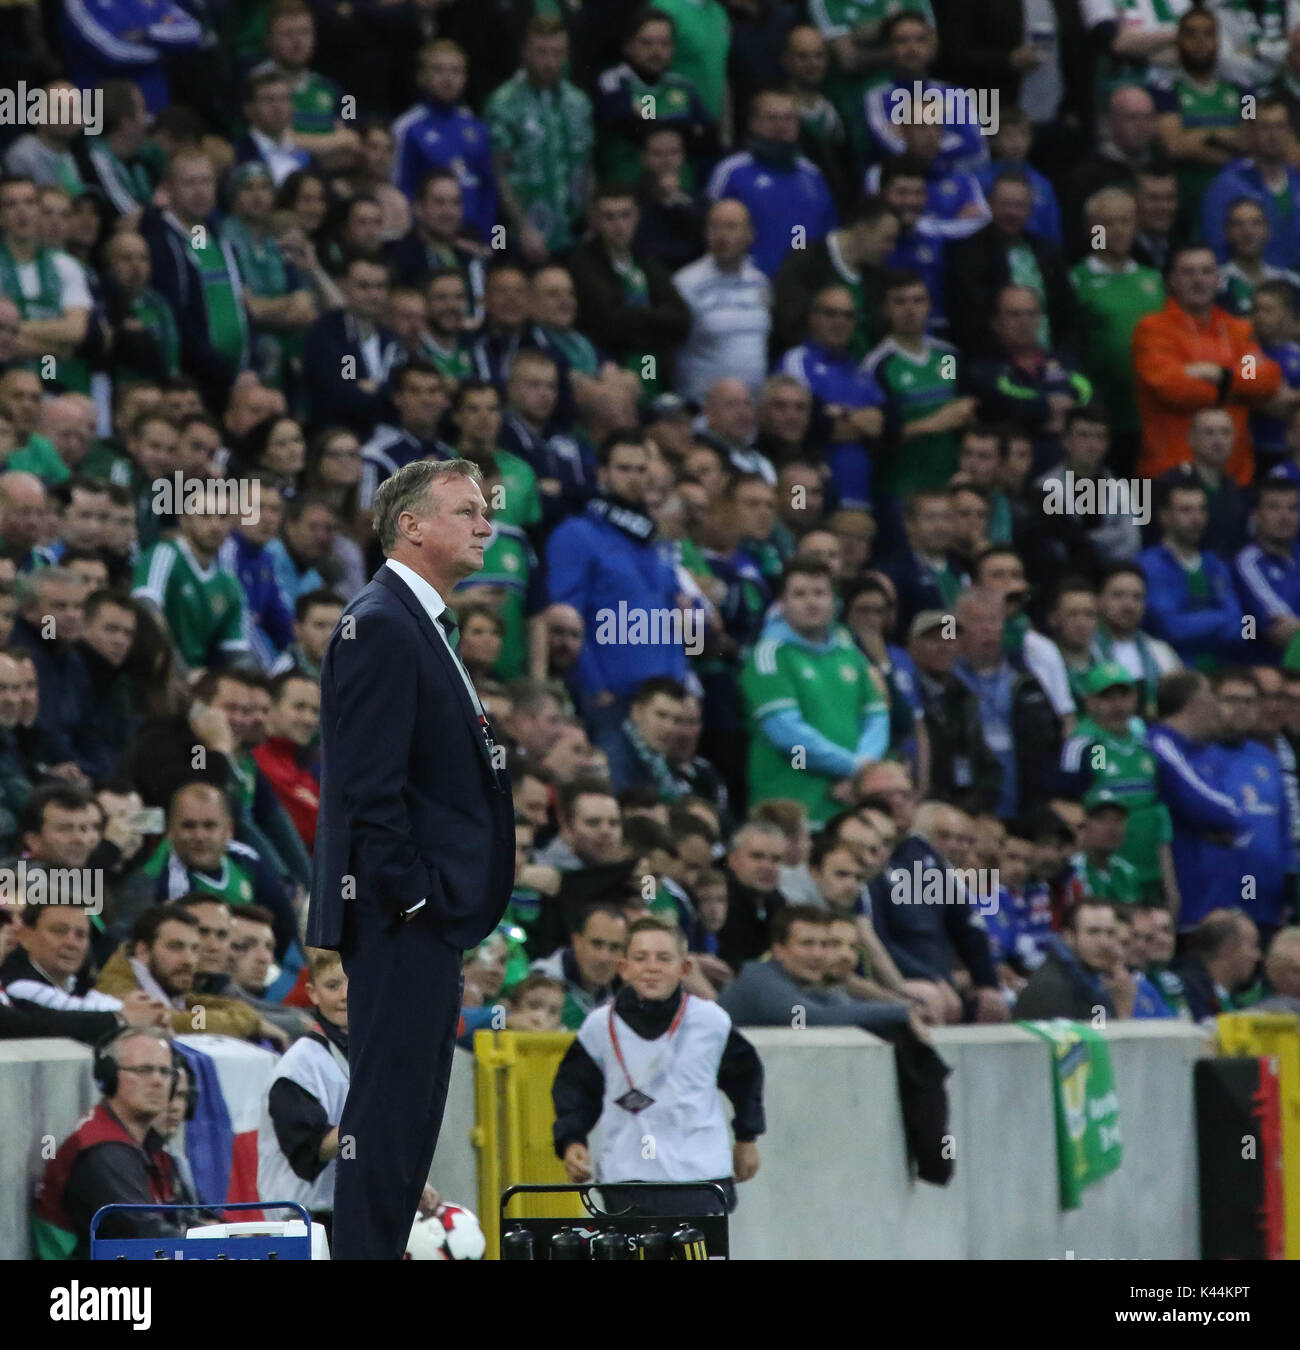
<point>105,1070</point>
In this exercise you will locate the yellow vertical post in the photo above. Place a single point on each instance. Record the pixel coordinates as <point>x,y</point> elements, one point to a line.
<point>514,1119</point>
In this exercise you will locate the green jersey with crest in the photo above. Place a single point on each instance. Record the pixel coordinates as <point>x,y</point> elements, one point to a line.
<point>546,136</point>
<point>1110,305</point>
<point>509,562</point>
<point>519,504</point>
<point>233,883</point>
<point>915,386</point>
<point>1215,106</point>
<point>832,691</point>
<point>203,606</point>
<point>1117,882</point>
<point>1124,766</point>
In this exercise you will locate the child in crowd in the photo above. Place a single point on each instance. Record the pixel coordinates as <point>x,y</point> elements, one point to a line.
<point>298,1135</point>
<point>536,1003</point>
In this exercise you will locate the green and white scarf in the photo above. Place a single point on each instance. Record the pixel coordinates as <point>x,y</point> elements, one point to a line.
<point>48,304</point>
<point>667,784</point>
<point>1089,1143</point>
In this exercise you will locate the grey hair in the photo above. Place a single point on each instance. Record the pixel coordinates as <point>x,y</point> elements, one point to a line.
<point>28,588</point>
<point>405,490</point>
<point>769,828</point>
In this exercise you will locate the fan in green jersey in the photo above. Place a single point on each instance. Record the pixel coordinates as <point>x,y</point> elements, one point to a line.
<point>515,499</point>
<point>542,137</point>
<point>1097,872</point>
<point>1113,292</point>
<point>1199,114</point>
<point>924,413</point>
<point>1108,754</point>
<point>815,709</point>
<point>202,605</point>
<point>320,108</point>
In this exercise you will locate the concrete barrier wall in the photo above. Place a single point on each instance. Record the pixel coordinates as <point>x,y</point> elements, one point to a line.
<point>45,1088</point>
<point>833,1182</point>
<point>832,1095</point>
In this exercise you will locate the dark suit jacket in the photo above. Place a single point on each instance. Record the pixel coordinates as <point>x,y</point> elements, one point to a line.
<point>332,399</point>
<point>246,152</point>
<point>620,329</point>
<point>915,584</point>
<point>978,269</point>
<point>976,41</point>
<point>411,808</point>
<point>174,274</point>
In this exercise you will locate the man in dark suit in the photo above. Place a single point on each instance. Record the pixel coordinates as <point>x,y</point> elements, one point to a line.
<point>980,267</point>
<point>268,108</point>
<point>926,572</point>
<point>355,395</point>
<point>415,848</point>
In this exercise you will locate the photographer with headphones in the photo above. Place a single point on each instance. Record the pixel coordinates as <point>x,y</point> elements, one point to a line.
<point>115,1155</point>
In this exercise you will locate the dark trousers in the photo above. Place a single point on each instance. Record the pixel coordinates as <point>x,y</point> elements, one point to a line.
<point>404,992</point>
<point>666,1204</point>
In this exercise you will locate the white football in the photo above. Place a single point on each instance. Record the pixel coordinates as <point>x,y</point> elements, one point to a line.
<point>450,1233</point>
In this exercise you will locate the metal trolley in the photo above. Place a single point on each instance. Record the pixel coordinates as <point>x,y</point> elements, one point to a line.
<point>615,1235</point>
<point>247,1246</point>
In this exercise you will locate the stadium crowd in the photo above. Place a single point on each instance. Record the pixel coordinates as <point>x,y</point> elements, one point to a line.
<point>894,582</point>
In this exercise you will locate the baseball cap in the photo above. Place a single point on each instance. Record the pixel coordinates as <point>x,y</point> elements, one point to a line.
<point>1095,799</point>
<point>669,405</point>
<point>930,619</point>
<point>1106,676</point>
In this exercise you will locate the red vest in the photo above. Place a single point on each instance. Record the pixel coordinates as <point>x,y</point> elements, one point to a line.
<point>99,1127</point>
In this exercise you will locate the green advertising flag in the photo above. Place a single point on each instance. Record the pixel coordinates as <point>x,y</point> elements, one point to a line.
<point>1089,1144</point>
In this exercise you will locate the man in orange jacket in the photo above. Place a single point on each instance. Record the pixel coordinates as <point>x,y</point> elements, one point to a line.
<point>1192,355</point>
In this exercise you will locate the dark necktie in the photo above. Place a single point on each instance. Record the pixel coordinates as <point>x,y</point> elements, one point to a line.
<point>447,622</point>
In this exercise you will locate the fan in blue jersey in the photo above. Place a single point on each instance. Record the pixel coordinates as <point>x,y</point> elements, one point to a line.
<point>921,242</point>
<point>846,392</point>
<point>788,200</point>
<point>1257,869</point>
<point>1204,817</point>
<point>420,397</point>
<point>1267,571</point>
<point>1023,918</point>
<point>440,133</point>
<point>1265,178</point>
<point>1273,315</point>
<point>1011,151</point>
<point>889,105</point>
<point>126,39</point>
<point>955,206</point>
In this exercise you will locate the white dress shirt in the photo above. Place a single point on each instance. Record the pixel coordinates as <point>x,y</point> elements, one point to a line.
<point>433,605</point>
